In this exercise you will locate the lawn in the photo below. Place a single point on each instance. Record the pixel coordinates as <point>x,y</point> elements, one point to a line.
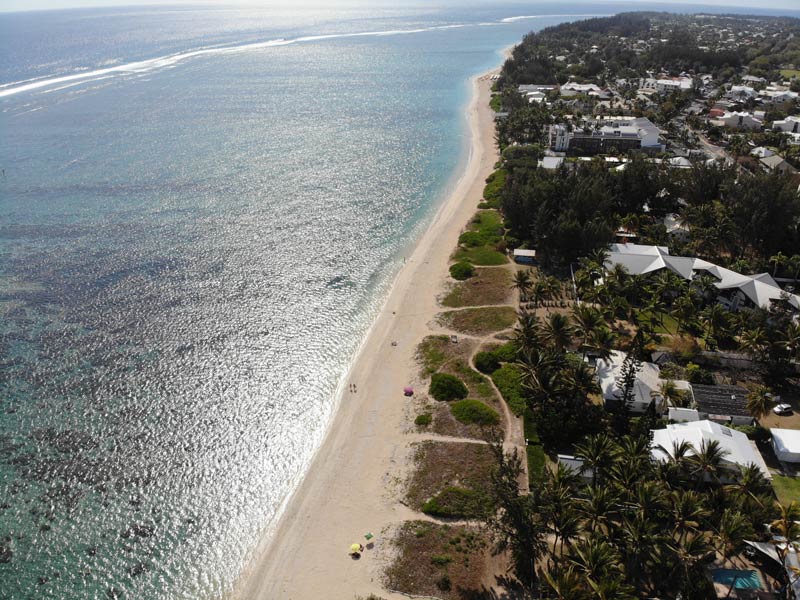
<point>482,256</point>
<point>789,73</point>
<point>487,286</point>
<point>479,321</point>
<point>787,489</point>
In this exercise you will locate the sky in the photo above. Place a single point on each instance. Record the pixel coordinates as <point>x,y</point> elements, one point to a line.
<point>19,5</point>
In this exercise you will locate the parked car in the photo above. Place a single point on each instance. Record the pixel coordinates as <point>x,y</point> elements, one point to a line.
<point>782,409</point>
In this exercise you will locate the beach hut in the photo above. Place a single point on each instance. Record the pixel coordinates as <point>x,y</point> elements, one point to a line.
<point>524,257</point>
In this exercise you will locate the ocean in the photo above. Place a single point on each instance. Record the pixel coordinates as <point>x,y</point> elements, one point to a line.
<point>201,212</point>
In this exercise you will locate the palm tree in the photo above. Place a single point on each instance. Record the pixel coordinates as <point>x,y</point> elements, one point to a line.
<point>601,342</point>
<point>597,452</point>
<point>733,529</point>
<point>565,583</point>
<point>759,402</point>
<point>586,319</point>
<point>754,342</point>
<point>707,460</point>
<point>690,556</point>
<point>717,320</point>
<point>687,511</point>
<point>794,265</point>
<point>598,508</point>
<point>594,558</point>
<point>528,332</point>
<point>669,395</point>
<point>778,260</point>
<point>786,526</point>
<point>791,339</point>
<point>557,331</point>
<point>522,283</point>
<point>749,487</point>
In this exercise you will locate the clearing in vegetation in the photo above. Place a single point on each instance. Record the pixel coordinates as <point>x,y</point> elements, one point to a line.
<point>479,321</point>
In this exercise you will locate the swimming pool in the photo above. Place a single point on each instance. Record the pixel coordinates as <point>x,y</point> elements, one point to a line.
<point>740,578</point>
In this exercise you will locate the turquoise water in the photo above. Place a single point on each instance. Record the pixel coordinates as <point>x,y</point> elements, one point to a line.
<point>741,579</point>
<point>192,246</point>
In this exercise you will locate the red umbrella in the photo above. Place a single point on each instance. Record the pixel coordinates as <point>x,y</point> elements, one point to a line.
<point>408,391</point>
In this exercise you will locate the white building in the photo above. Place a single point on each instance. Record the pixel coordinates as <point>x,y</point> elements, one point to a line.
<point>573,89</point>
<point>666,86</point>
<point>736,290</point>
<point>739,450</point>
<point>646,388</point>
<point>786,443</point>
<point>676,227</point>
<point>741,120</point>
<point>743,91</point>
<point>761,152</point>
<point>551,162</point>
<point>637,133</point>
<point>787,125</point>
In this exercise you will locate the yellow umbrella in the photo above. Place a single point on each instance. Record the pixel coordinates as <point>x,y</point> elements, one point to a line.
<point>355,547</point>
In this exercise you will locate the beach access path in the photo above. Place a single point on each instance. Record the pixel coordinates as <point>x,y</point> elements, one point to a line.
<point>354,484</point>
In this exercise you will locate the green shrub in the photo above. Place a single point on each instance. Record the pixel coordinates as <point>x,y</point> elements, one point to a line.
<point>441,560</point>
<point>753,432</point>
<point>461,270</point>
<point>445,387</point>
<point>471,238</point>
<point>474,412</point>
<point>696,374</point>
<point>508,380</point>
<point>423,420</point>
<point>444,583</point>
<point>458,502</point>
<point>486,362</point>
<point>506,353</point>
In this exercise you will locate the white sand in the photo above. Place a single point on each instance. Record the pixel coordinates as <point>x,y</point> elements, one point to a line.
<point>352,485</point>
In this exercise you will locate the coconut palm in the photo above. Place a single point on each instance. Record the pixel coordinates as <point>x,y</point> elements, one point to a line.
<point>528,331</point>
<point>594,558</point>
<point>689,558</point>
<point>597,452</point>
<point>786,526</point>
<point>759,402</point>
<point>687,512</point>
<point>598,508</point>
<point>754,342</point>
<point>557,331</point>
<point>707,460</point>
<point>522,283</point>
<point>778,260</point>
<point>668,395</point>
<point>601,342</point>
<point>586,319</point>
<point>794,265</point>
<point>717,320</point>
<point>791,339</point>
<point>749,487</point>
<point>731,532</point>
<point>564,583</point>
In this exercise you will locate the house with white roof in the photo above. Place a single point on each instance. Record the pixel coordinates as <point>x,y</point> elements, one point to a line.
<point>736,291</point>
<point>787,125</point>
<point>646,388</point>
<point>761,152</point>
<point>676,227</point>
<point>742,91</point>
<point>739,451</point>
<point>741,120</point>
<point>786,444</point>
<point>777,164</point>
<point>573,89</point>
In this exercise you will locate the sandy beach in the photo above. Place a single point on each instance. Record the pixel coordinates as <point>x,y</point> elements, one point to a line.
<point>354,483</point>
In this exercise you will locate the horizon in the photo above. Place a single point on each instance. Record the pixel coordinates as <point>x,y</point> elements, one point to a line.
<point>19,6</point>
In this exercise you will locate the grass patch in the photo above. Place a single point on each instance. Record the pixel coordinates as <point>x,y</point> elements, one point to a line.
<point>487,286</point>
<point>483,256</point>
<point>479,244</point>
<point>663,321</point>
<point>508,379</point>
<point>423,420</point>
<point>443,561</point>
<point>787,489</point>
<point>492,193</point>
<point>496,103</point>
<point>446,465</point>
<point>789,73</point>
<point>534,450</point>
<point>479,321</point>
<point>476,382</point>
<point>475,412</point>
<point>458,503</point>
<point>432,352</point>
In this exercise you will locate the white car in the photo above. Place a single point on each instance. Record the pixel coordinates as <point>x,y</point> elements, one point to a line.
<point>783,409</point>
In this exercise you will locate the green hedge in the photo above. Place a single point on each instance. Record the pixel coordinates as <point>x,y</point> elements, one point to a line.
<point>445,387</point>
<point>474,412</point>
<point>508,380</point>
<point>487,362</point>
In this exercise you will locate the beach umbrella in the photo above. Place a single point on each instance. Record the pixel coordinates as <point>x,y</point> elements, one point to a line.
<point>369,536</point>
<point>355,547</point>
<point>408,391</point>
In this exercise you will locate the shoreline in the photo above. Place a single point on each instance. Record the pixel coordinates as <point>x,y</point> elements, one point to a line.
<point>347,489</point>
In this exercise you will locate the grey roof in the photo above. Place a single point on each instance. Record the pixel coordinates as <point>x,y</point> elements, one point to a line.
<point>727,400</point>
